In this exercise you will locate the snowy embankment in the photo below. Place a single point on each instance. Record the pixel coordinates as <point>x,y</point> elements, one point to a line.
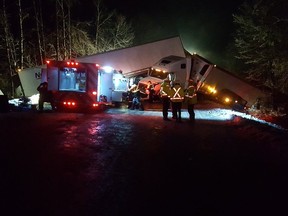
<point>212,114</point>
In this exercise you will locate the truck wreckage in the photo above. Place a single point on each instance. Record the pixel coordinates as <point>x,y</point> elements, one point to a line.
<point>137,66</point>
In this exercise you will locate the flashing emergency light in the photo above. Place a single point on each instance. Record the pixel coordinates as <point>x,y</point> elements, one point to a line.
<point>107,69</point>
<point>94,93</point>
<point>212,90</point>
<point>227,100</point>
<point>69,103</point>
<point>72,62</point>
<point>97,65</point>
<point>47,61</point>
<point>95,105</point>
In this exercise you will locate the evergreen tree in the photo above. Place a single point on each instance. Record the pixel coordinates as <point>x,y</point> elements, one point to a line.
<point>261,42</point>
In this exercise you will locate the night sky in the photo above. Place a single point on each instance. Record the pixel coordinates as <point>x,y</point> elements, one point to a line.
<point>205,26</point>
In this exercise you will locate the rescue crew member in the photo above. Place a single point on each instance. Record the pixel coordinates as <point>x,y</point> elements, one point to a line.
<point>43,91</point>
<point>45,96</point>
<point>165,93</point>
<point>176,99</point>
<point>136,101</point>
<point>191,99</point>
<point>150,91</point>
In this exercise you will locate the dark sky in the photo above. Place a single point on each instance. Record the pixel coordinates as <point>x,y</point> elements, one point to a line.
<point>205,26</point>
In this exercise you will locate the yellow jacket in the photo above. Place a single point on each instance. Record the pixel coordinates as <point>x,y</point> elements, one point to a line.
<point>165,90</point>
<point>190,95</point>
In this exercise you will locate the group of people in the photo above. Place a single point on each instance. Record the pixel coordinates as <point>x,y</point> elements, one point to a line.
<point>173,93</point>
<point>136,95</point>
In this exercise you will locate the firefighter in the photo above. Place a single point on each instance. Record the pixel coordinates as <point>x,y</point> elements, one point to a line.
<point>177,97</point>
<point>165,98</point>
<point>45,96</point>
<point>136,101</point>
<point>43,91</point>
<point>150,91</point>
<point>191,99</point>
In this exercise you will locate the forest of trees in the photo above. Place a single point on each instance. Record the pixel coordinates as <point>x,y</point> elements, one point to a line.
<point>31,34</point>
<point>261,42</point>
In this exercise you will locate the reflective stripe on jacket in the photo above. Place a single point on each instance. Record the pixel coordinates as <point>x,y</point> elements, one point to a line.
<point>165,90</point>
<point>190,95</point>
<point>177,94</point>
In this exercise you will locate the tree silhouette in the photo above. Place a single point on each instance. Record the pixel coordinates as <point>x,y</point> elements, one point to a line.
<point>26,39</point>
<point>261,42</point>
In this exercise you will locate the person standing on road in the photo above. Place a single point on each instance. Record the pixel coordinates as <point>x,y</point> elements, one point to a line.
<point>176,99</point>
<point>45,96</point>
<point>43,92</point>
<point>136,101</point>
<point>150,91</point>
<point>165,98</point>
<point>191,99</point>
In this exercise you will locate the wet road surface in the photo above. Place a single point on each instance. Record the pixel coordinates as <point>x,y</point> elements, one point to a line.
<point>123,162</point>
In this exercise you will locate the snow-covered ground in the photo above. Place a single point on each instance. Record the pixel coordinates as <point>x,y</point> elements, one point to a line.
<point>213,114</point>
<point>33,100</point>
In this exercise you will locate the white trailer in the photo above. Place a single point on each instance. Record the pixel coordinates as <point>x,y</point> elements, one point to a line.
<point>30,79</point>
<point>212,81</point>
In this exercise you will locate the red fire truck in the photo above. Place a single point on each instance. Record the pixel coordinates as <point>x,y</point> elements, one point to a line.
<point>83,86</point>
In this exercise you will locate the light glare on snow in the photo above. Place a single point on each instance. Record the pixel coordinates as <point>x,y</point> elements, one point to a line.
<point>210,115</point>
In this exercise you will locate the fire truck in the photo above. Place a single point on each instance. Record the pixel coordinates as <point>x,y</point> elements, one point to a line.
<point>82,86</point>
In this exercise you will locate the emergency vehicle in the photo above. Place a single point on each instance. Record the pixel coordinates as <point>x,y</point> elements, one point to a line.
<point>83,86</point>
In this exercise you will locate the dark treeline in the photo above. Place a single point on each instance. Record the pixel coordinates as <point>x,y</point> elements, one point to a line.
<point>32,31</point>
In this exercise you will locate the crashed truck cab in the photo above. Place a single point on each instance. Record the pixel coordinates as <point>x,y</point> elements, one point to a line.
<point>83,86</point>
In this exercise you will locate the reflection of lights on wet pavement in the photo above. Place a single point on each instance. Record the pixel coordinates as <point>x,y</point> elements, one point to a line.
<point>67,145</point>
<point>94,128</point>
<point>70,137</point>
<point>94,132</point>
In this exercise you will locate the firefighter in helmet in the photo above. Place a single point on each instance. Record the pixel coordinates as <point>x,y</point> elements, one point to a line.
<point>177,98</point>
<point>165,98</point>
<point>191,99</point>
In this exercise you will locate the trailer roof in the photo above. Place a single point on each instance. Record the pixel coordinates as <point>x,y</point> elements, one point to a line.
<point>138,57</point>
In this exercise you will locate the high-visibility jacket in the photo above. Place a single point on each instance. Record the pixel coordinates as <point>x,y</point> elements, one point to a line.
<point>177,94</point>
<point>190,95</point>
<point>165,90</point>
